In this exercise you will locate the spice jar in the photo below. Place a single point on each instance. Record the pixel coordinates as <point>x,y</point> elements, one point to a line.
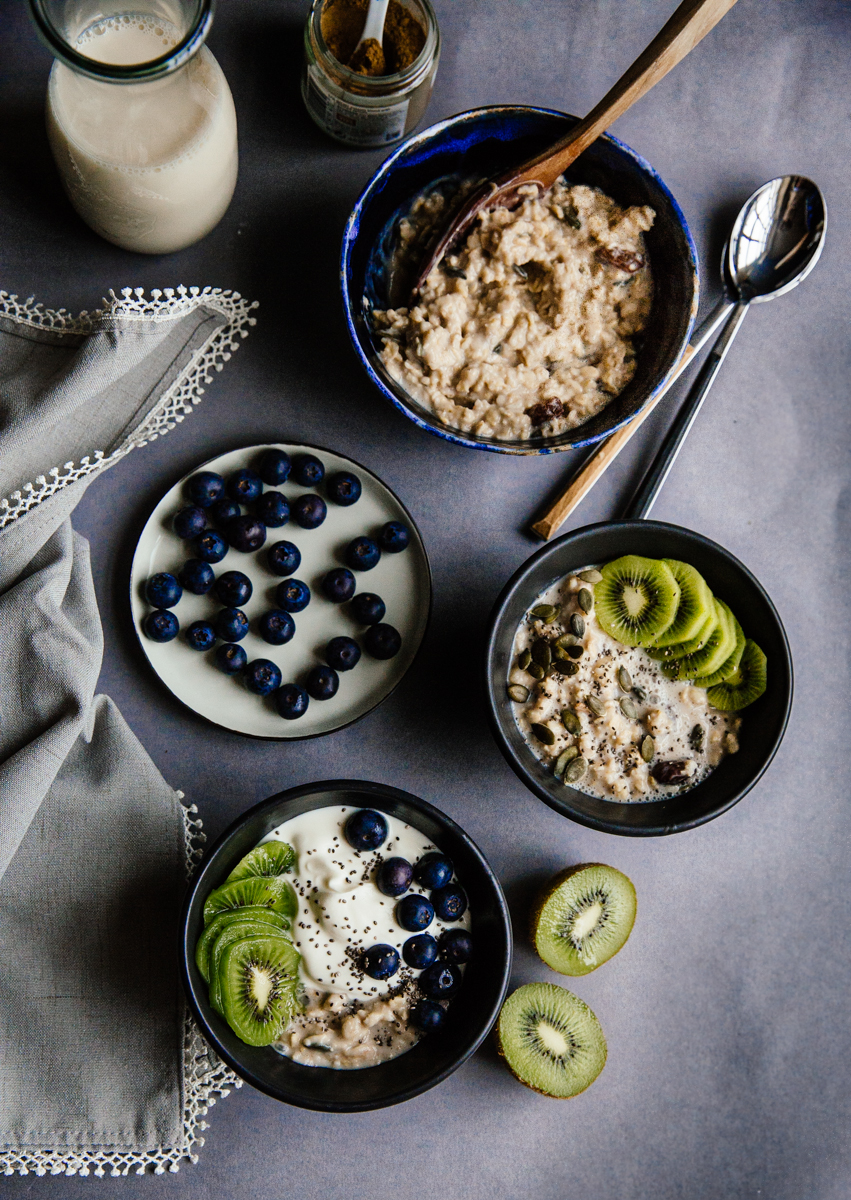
<point>364,109</point>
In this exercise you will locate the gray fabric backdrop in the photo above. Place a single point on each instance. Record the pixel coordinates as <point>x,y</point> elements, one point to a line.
<point>726,1014</point>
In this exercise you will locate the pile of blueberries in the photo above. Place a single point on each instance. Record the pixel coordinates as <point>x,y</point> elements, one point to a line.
<point>438,960</point>
<point>214,521</point>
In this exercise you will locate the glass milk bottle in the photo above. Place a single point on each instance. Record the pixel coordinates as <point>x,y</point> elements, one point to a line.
<point>140,118</point>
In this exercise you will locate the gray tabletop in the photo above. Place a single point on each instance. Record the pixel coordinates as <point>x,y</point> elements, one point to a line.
<point>726,1013</point>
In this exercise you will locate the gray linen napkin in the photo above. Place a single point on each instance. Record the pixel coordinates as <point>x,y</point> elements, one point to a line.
<point>99,1070</point>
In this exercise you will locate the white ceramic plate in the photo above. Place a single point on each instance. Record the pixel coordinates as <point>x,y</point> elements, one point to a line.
<point>402,580</point>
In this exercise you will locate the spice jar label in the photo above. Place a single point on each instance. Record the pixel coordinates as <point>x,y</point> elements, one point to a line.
<point>358,124</point>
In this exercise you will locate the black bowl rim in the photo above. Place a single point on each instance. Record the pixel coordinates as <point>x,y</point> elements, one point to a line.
<point>613,826</point>
<point>378,791</point>
<point>444,431</point>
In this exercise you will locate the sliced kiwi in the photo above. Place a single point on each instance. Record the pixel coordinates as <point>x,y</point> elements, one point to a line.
<point>746,684</point>
<point>258,978</point>
<point>236,916</point>
<point>681,649</point>
<point>551,1040</point>
<point>266,861</point>
<point>637,599</point>
<point>275,894</point>
<point>583,918</point>
<point>719,646</point>
<point>729,666</point>
<point>695,606</point>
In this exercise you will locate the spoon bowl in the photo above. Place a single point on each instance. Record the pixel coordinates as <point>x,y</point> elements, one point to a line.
<point>777,239</point>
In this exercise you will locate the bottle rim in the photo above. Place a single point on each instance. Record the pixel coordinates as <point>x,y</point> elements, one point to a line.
<point>154,68</point>
<point>379,84</point>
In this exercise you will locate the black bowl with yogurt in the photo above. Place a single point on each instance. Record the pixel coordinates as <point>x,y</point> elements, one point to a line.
<point>763,722</point>
<point>471,1013</point>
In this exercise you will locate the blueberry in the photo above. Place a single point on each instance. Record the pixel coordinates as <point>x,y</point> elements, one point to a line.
<point>163,590</point>
<point>293,596</point>
<point>309,511</point>
<point>307,470</point>
<point>161,625</point>
<point>380,962</point>
<point>196,576</point>
<point>283,558</point>
<point>262,677</point>
<point>339,585</point>
<point>456,946</point>
<point>224,511</point>
<point>200,635</point>
<point>244,485</point>
<point>245,533</point>
<point>433,870</point>
<point>189,521</point>
<point>210,546</point>
<point>394,537</point>
<point>322,683</point>
<point>291,701</point>
<point>233,588</point>
<point>440,981</point>
<point>205,488</point>
<point>367,608</point>
<point>276,627</point>
<point>343,488</point>
<point>362,554</point>
<point>427,1016</point>
<point>274,467</point>
<point>414,913</point>
<point>342,653</point>
<point>273,509</point>
<point>420,950</point>
<point>394,876</point>
<point>382,641</point>
<point>231,624</point>
<point>230,659</point>
<point>450,902</point>
<point>366,829</point>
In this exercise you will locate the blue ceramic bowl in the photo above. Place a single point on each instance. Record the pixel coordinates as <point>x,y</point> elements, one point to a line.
<point>485,142</point>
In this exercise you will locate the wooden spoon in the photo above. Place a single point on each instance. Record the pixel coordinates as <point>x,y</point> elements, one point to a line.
<point>689,24</point>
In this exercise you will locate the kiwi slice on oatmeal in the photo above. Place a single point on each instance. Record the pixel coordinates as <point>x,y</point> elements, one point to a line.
<point>275,922</point>
<point>275,894</point>
<point>266,861</point>
<point>637,599</point>
<point>681,649</point>
<point>729,666</point>
<point>746,684</point>
<point>695,606</point>
<point>551,1040</point>
<point>583,918</point>
<point>258,979</point>
<point>717,649</point>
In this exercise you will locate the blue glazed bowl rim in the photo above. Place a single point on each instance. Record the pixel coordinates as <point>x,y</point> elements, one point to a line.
<point>374,186</point>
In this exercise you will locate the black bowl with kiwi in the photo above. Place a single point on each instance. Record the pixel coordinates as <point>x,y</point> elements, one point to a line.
<point>470,1015</point>
<point>763,721</point>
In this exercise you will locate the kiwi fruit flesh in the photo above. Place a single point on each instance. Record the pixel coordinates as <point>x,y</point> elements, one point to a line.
<point>258,980</point>
<point>266,861</point>
<point>275,894</point>
<point>583,918</point>
<point>719,646</point>
<point>681,649</point>
<point>729,666</point>
<point>275,922</point>
<point>694,608</point>
<point>636,600</point>
<point>237,932</point>
<point>746,684</point>
<point>551,1040</point>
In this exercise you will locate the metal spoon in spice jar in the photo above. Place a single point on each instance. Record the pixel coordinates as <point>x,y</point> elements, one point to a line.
<point>368,55</point>
<point>689,25</point>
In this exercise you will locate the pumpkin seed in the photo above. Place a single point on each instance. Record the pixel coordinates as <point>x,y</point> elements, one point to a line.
<point>571,721</point>
<point>567,639</point>
<point>585,600</point>
<point>453,272</point>
<point>536,671</point>
<point>545,612</point>
<point>575,770</point>
<point>648,748</point>
<point>697,738</point>
<point>521,271</point>
<point>541,653</point>
<point>563,759</point>
<point>560,654</point>
<point>516,691</point>
<point>543,734</point>
<point>597,707</point>
<point>523,659</point>
<point>591,576</point>
<point>572,219</point>
<point>577,624</point>
<point>628,709</point>
<point>498,348</point>
<point>639,693</point>
<point>624,679</point>
<point>565,667</point>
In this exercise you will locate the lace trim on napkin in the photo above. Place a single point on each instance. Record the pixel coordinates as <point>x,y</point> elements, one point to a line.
<point>176,403</point>
<point>206,1079</point>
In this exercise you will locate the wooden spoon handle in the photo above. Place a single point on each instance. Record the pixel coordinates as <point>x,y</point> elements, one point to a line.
<point>688,26</point>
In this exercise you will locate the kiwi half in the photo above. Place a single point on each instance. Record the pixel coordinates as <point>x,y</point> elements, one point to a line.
<point>275,894</point>
<point>275,922</point>
<point>636,600</point>
<point>695,606</point>
<point>583,918</point>
<point>258,978</point>
<point>266,861</point>
<point>746,684</point>
<point>551,1040</point>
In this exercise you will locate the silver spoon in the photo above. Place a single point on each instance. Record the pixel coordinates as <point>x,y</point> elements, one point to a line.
<point>775,243</point>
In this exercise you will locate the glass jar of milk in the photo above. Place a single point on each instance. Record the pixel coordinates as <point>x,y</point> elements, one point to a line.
<point>140,118</point>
